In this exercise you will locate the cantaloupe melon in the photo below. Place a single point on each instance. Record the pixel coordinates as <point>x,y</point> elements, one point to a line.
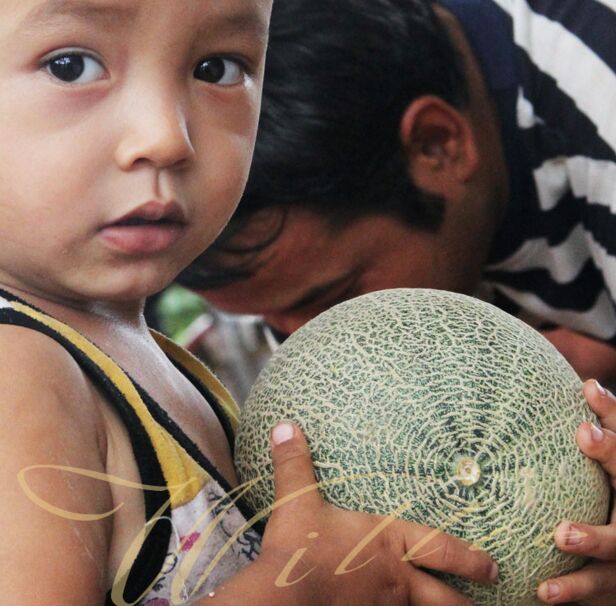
<point>462,411</point>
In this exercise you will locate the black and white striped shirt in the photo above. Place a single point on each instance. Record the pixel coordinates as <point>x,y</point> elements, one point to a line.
<point>550,65</point>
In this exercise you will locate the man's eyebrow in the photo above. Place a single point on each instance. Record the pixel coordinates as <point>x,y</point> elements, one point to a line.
<point>80,9</point>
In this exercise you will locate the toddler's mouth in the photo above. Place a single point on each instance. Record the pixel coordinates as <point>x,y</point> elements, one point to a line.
<point>136,221</point>
<point>153,213</point>
<point>153,227</point>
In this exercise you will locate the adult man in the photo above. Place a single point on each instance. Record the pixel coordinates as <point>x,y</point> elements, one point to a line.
<point>472,149</point>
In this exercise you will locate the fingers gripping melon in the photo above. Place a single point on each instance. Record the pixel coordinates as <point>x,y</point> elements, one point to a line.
<point>448,405</point>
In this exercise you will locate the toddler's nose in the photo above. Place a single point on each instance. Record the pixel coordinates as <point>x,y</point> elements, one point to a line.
<point>157,134</point>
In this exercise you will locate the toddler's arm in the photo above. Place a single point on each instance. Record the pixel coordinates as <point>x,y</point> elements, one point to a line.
<point>48,416</point>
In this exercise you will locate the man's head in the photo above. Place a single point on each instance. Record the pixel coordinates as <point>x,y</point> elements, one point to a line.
<point>368,119</point>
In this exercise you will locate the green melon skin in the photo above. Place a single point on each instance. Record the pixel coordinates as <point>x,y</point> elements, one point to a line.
<point>430,391</point>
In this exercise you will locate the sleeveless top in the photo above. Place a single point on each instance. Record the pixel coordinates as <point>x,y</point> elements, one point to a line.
<point>195,533</point>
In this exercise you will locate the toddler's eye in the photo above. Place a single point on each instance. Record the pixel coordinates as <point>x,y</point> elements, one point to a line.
<point>75,68</point>
<point>217,70</point>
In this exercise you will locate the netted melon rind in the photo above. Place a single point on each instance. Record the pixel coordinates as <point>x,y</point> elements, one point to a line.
<point>402,384</point>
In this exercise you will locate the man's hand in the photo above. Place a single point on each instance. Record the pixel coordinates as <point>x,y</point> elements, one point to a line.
<point>595,584</point>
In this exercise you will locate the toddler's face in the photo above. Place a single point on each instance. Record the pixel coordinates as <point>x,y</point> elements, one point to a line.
<point>127,132</point>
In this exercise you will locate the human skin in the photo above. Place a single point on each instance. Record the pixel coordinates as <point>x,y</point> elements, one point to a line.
<point>141,129</point>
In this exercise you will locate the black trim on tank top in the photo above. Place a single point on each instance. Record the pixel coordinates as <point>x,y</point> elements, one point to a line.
<point>162,417</point>
<point>209,397</point>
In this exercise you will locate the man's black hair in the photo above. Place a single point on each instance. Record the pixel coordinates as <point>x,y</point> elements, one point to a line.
<point>339,75</point>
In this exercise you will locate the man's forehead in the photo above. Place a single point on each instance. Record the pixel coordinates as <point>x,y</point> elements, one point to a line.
<point>304,261</point>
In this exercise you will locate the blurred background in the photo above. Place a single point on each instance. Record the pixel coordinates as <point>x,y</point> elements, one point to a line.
<point>234,347</point>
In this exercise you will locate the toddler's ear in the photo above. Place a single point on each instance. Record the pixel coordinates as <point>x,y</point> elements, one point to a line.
<point>441,150</point>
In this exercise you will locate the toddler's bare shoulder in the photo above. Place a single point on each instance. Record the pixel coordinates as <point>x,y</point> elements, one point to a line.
<point>51,469</point>
<point>41,385</point>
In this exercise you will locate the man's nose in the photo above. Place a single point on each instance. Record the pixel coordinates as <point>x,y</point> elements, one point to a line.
<point>283,325</point>
<point>156,132</point>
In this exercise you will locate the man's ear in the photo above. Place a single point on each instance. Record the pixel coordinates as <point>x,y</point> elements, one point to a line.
<point>440,146</point>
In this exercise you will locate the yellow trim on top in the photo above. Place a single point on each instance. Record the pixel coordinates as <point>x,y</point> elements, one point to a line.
<point>203,373</point>
<point>183,475</point>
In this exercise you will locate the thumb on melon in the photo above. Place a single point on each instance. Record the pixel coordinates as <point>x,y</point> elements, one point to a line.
<point>294,479</point>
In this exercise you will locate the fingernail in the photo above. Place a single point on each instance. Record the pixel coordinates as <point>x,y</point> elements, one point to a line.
<point>574,535</point>
<point>600,388</point>
<point>494,572</point>
<point>283,432</point>
<point>596,434</point>
<point>553,590</point>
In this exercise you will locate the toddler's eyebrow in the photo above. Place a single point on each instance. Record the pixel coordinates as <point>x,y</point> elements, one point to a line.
<point>49,11</point>
<point>240,20</point>
<point>81,9</point>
